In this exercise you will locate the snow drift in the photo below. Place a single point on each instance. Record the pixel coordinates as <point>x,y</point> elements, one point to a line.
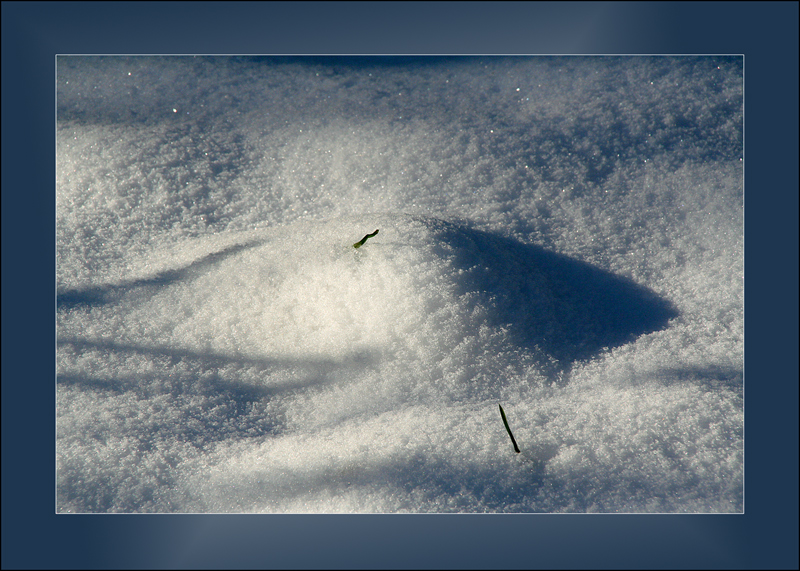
<point>559,235</point>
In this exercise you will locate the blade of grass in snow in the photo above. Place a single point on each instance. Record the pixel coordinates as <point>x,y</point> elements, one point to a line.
<point>364,239</point>
<point>505,421</point>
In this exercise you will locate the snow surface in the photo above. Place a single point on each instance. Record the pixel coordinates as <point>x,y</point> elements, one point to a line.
<point>562,236</point>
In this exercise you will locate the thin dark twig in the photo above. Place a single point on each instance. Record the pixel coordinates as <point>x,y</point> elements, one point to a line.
<point>514,442</point>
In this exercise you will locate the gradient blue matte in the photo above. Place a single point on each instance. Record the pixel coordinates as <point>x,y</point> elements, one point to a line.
<point>765,537</point>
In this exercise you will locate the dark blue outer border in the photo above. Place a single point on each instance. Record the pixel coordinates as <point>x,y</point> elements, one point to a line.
<point>765,537</point>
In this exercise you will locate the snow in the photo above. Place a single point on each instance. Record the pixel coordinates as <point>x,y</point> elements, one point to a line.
<point>562,236</point>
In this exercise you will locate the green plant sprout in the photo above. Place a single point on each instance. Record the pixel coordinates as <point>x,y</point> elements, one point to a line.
<point>514,442</point>
<point>364,239</point>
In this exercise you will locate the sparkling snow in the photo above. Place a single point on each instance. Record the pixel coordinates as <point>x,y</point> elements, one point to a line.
<point>562,236</point>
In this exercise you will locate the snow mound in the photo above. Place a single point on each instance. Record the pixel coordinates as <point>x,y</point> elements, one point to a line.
<point>441,297</point>
<point>314,376</point>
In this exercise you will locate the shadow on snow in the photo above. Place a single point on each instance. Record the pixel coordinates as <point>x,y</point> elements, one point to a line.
<point>567,308</point>
<point>104,294</point>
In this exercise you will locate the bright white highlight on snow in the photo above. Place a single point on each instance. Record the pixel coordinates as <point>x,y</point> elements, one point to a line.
<point>562,236</point>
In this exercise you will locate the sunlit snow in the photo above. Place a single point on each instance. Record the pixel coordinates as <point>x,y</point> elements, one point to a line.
<point>561,236</point>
